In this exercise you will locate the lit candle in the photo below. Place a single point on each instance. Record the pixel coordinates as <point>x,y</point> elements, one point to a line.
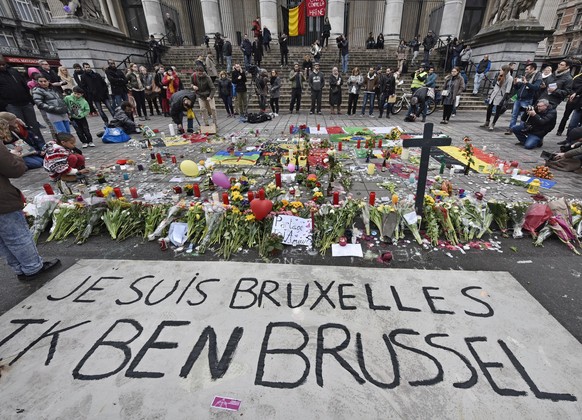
<point>196,189</point>
<point>48,189</point>
<point>117,192</point>
<point>159,158</point>
<point>225,198</point>
<point>250,196</point>
<point>372,199</point>
<point>318,127</point>
<point>336,198</point>
<point>262,194</point>
<point>152,155</point>
<point>125,176</point>
<point>178,189</point>
<point>174,159</point>
<point>380,143</point>
<point>291,129</point>
<point>278,179</point>
<point>339,146</point>
<point>133,192</point>
<point>358,144</point>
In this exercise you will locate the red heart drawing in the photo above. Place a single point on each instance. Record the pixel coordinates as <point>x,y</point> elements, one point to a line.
<point>261,208</point>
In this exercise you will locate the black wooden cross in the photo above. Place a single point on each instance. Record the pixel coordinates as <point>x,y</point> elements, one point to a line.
<point>425,143</point>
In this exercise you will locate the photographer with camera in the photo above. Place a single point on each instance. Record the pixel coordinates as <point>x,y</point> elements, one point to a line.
<point>343,45</point>
<point>536,123</point>
<point>568,160</point>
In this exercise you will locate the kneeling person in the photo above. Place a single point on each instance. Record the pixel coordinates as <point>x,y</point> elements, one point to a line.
<point>180,103</point>
<point>535,124</point>
<point>124,119</point>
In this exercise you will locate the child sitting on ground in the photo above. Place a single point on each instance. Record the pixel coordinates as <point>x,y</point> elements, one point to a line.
<point>78,110</point>
<point>63,161</point>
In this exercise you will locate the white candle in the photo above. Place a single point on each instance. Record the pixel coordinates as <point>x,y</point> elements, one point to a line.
<point>172,129</point>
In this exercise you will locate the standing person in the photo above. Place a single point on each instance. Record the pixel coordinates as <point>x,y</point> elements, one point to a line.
<point>67,79</point>
<point>247,49</point>
<point>401,54</point>
<point>15,97</point>
<point>558,85</point>
<point>380,42</point>
<point>454,52</point>
<point>355,81</point>
<point>481,72</point>
<point>316,51</point>
<point>172,83</point>
<point>204,89</point>
<point>225,92</point>
<point>573,104</point>
<point>525,89</point>
<point>227,52</point>
<point>345,53</point>
<point>219,47</point>
<point>452,87</point>
<point>52,103</point>
<point>257,52</point>
<point>78,110</point>
<point>207,41</point>
<point>162,89</point>
<point>135,83</point>
<point>262,89</point>
<point>200,61</point>
<point>428,43</point>
<point>370,83</point>
<point>256,28</point>
<point>211,67</point>
<point>466,56</point>
<point>499,95</point>
<point>155,49</point>
<point>151,90</point>
<point>335,91</point>
<point>275,92</point>
<point>431,78</point>
<point>170,26</point>
<point>387,89</point>
<point>117,81</point>
<point>93,83</point>
<point>307,66</point>
<point>284,48</point>
<point>267,39</point>
<point>239,79</point>
<point>296,78</point>
<point>16,242</point>
<point>419,78</point>
<point>54,80</point>
<point>316,83</point>
<point>325,33</point>
<point>415,46</point>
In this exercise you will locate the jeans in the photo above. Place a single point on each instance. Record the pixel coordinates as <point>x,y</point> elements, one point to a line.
<point>227,99</point>
<point>368,96</point>
<point>118,99</point>
<point>575,119</point>
<point>352,103</point>
<point>26,113</point>
<point>16,244</point>
<point>529,141</point>
<point>345,60</point>
<point>228,63</point>
<point>247,59</point>
<point>477,82</point>
<point>274,102</point>
<point>426,59</point>
<point>33,161</point>
<point>99,109</point>
<point>517,110</point>
<point>316,101</point>
<point>62,126</point>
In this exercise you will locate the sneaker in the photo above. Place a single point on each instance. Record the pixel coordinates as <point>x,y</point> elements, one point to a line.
<point>85,145</point>
<point>319,113</point>
<point>485,124</point>
<point>46,266</point>
<point>453,115</point>
<point>371,115</point>
<point>91,144</point>
<point>310,112</point>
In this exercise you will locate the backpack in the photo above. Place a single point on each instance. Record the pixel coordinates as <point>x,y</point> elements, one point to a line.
<point>255,118</point>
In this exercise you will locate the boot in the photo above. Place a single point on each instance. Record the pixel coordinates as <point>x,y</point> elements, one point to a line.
<point>491,126</point>
<point>486,124</point>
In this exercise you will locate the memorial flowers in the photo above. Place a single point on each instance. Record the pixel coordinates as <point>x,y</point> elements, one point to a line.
<point>468,153</point>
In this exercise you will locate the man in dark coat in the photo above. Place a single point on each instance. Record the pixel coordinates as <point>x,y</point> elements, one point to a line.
<point>219,46</point>
<point>15,97</point>
<point>118,83</point>
<point>536,123</point>
<point>181,102</point>
<point>227,52</point>
<point>52,76</point>
<point>247,50</point>
<point>283,45</point>
<point>428,43</point>
<point>97,87</point>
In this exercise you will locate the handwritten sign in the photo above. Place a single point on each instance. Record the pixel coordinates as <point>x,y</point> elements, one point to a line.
<point>294,230</point>
<point>315,8</point>
<point>157,339</point>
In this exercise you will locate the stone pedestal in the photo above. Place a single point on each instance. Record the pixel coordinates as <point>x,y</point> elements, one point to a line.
<point>79,40</point>
<point>508,41</point>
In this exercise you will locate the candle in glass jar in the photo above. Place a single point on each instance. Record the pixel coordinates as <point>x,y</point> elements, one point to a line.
<point>133,192</point>
<point>380,143</point>
<point>318,127</point>
<point>152,155</point>
<point>117,192</point>
<point>336,198</point>
<point>196,189</point>
<point>159,158</point>
<point>278,179</point>
<point>48,189</point>
<point>339,146</point>
<point>358,144</point>
<point>225,198</point>
<point>174,160</point>
<point>178,189</point>
<point>372,198</point>
<point>291,129</point>
<point>250,196</point>
<point>261,194</point>
<point>140,167</point>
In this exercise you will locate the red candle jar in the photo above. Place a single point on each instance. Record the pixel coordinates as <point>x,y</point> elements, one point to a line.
<point>291,127</point>
<point>261,194</point>
<point>343,241</point>
<point>99,193</point>
<point>359,144</point>
<point>318,127</point>
<point>225,198</point>
<point>250,196</point>
<point>339,146</point>
<point>178,189</point>
<point>380,143</point>
<point>196,189</point>
<point>174,160</point>
<point>133,192</point>
<point>336,198</point>
<point>278,179</point>
<point>159,158</point>
<point>372,199</point>
<point>117,192</point>
<point>48,189</point>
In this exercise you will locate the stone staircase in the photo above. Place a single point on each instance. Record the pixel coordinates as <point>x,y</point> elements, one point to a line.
<point>183,59</point>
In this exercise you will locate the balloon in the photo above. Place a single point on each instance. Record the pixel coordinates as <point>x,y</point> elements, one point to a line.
<point>291,167</point>
<point>189,168</point>
<point>261,208</point>
<point>220,179</point>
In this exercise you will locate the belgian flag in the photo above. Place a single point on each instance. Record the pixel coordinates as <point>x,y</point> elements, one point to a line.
<point>294,20</point>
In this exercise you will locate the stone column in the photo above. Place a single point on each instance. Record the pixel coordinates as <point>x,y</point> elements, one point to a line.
<point>452,18</point>
<point>211,14</point>
<point>392,22</point>
<point>227,20</point>
<point>154,17</point>
<point>335,13</point>
<point>268,14</point>
<point>113,14</point>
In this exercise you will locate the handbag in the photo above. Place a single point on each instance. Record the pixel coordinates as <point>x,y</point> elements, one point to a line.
<point>445,92</point>
<point>114,135</point>
<point>392,99</point>
<point>156,88</point>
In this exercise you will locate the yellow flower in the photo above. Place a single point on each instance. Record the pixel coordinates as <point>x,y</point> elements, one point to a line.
<point>236,196</point>
<point>250,218</point>
<point>285,202</point>
<point>107,191</point>
<point>235,187</point>
<point>318,194</point>
<point>297,204</point>
<point>428,200</point>
<point>235,210</point>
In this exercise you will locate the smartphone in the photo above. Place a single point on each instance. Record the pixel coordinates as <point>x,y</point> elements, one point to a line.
<point>547,155</point>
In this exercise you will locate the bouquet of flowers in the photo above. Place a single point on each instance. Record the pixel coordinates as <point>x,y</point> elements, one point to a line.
<point>386,219</point>
<point>94,220</point>
<point>516,213</point>
<point>411,220</point>
<point>445,222</point>
<point>500,215</point>
<point>44,206</point>
<point>331,222</point>
<point>563,229</point>
<point>68,218</point>
<point>154,214</point>
<point>213,214</point>
<point>172,215</point>
<point>196,222</point>
<point>468,152</point>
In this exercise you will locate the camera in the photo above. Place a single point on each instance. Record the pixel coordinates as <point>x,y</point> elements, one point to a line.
<point>530,108</point>
<point>547,155</point>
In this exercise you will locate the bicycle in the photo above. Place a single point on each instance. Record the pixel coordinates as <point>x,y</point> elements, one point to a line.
<point>404,100</point>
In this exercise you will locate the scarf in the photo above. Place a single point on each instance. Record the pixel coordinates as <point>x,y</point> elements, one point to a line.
<point>171,86</point>
<point>562,72</point>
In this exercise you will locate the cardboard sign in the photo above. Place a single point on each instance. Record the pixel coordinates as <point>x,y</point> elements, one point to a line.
<point>294,230</point>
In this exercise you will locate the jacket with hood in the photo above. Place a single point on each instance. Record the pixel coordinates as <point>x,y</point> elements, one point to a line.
<point>177,104</point>
<point>49,101</point>
<point>205,85</point>
<point>117,80</point>
<point>13,89</point>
